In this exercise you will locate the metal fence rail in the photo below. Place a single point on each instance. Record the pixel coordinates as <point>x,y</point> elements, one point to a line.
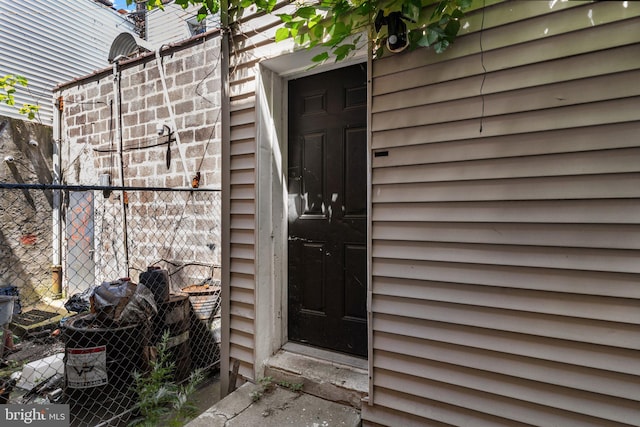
<point>90,279</point>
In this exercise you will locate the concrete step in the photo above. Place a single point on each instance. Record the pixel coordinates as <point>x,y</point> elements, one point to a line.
<point>250,405</point>
<point>334,380</point>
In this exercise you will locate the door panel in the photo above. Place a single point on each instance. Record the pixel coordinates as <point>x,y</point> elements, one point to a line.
<point>327,210</point>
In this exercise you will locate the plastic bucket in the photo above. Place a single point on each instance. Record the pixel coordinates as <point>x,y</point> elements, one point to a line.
<point>100,361</point>
<point>204,299</point>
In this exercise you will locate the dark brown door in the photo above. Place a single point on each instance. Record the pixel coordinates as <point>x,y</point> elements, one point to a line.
<point>328,210</point>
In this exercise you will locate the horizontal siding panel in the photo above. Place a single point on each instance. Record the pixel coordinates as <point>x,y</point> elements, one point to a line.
<point>245,281</point>
<point>609,236</point>
<point>243,192</point>
<point>243,207</point>
<point>242,266</point>
<point>241,147</point>
<point>612,334</point>
<point>242,324</point>
<point>513,412</point>
<point>460,112</point>
<point>241,295</point>
<point>242,102</point>
<point>430,411</point>
<point>242,251</point>
<point>620,261</point>
<point>240,353</point>
<point>548,397</point>
<point>242,176</point>
<point>575,187</point>
<point>245,161</point>
<point>243,132</point>
<point>242,222</point>
<point>246,237</point>
<point>431,84</point>
<point>242,310</point>
<point>242,339</point>
<point>554,280</point>
<point>585,163</point>
<point>379,416</point>
<point>559,374</point>
<point>560,304</point>
<point>590,138</point>
<point>470,103</point>
<point>513,124</point>
<point>244,87</point>
<point>614,211</point>
<point>590,356</point>
<point>243,117</point>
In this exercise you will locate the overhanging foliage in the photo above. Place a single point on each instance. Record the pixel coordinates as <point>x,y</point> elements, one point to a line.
<point>339,25</point>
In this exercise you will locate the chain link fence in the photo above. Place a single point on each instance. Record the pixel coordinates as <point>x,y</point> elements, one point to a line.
<point>94,283</point>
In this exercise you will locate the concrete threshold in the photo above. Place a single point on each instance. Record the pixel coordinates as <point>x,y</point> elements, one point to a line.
<point>250,405</point>
<point>331,376</point>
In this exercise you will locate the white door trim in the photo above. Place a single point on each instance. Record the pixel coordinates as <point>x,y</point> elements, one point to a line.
<point>271,195</point>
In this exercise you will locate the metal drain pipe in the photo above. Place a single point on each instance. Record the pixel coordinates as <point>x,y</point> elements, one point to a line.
<point>123,196</point>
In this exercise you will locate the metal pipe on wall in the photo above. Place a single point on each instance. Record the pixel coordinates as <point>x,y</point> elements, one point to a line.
<point>56,261</point>
<point>123,198</point>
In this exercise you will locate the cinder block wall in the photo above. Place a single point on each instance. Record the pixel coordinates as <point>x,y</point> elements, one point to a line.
<point>95,122</point>
<point>90,136</point>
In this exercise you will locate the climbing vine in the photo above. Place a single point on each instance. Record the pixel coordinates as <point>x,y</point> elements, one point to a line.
<point>339,25</point>
<point>8,85</point>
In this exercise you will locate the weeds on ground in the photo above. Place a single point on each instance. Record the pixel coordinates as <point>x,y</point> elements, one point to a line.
<point>267,385</point>
<point>161,400</point>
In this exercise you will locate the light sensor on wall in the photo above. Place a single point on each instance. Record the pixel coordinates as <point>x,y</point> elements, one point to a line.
<point>9,159</point>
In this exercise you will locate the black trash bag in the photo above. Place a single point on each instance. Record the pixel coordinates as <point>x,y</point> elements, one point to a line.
<point>123,302</point>
<point>79,303</point>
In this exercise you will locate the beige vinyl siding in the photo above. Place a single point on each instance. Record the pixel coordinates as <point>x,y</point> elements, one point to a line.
<point>505,262</point>
<point>246,47</point>
<point>242,245</point>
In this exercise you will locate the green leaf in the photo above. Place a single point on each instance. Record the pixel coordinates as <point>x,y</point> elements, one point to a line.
<point>441,46</point>
<point>423,41</point>
<point>321,57</point>
<point>284,17</point>
<point>452,28</point>
<point>282,34</point>
<point>318,31</point>
<point>439,10</point>
<point>411,10</point>
<point>306,12</point>
<point>432,36</point>
<point>457,14</point>
<point>343,51</point>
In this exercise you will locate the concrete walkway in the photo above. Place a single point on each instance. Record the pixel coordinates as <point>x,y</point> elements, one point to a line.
<point>275,408</point>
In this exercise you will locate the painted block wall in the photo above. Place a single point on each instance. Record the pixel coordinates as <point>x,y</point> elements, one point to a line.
<point>93,120</point>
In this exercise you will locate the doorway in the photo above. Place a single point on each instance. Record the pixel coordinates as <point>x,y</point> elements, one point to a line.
<point>327,210</point>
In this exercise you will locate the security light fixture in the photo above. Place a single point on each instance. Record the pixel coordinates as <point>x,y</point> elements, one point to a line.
<point>397,34</point>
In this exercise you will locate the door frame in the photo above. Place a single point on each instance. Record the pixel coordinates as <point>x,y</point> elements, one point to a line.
<point>271,261</point>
